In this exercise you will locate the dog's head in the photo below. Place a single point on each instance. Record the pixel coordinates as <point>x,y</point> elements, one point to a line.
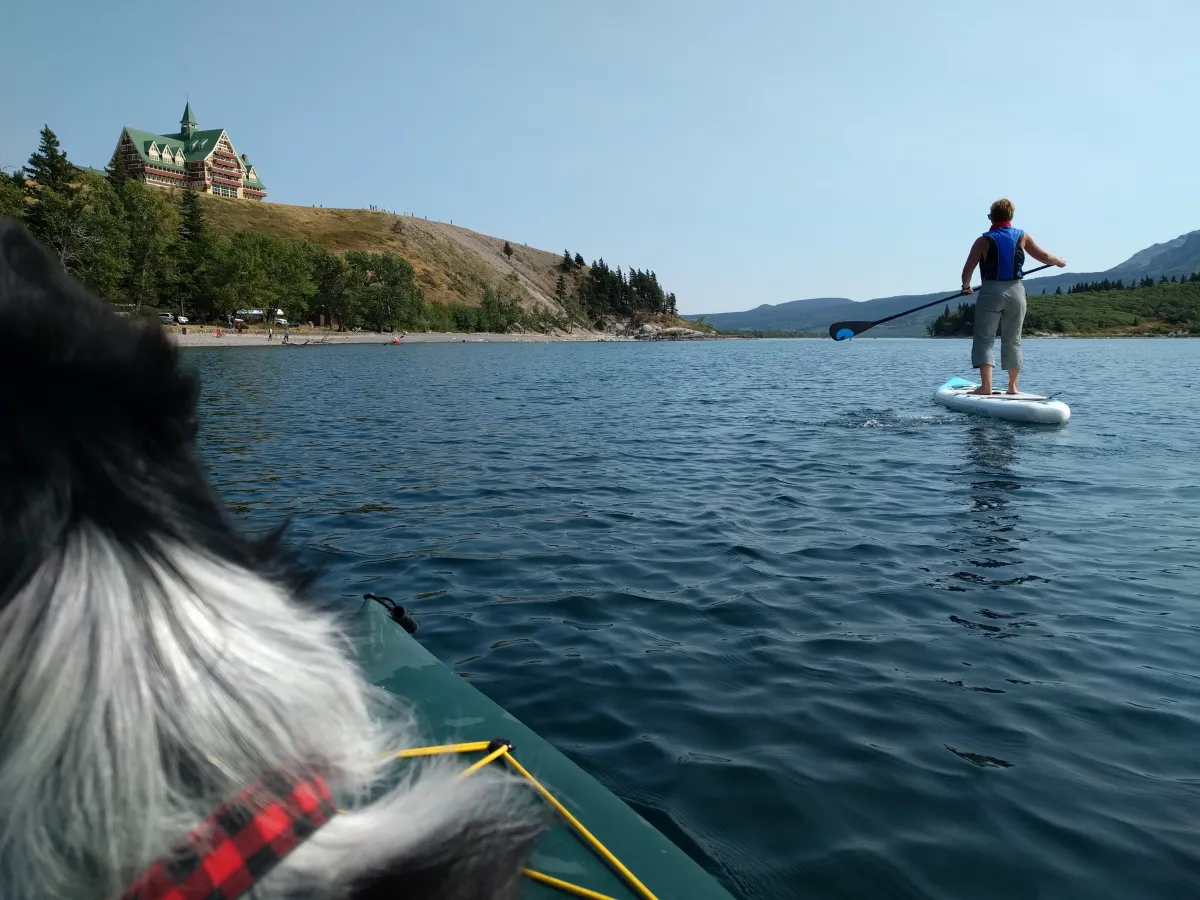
<point>99,423</point>
<point>155,663</point>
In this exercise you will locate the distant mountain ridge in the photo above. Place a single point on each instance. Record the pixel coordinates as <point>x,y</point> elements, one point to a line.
<point>1180,256</point>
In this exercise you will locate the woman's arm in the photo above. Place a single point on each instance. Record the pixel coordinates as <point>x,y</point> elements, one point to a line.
<point>1032,248</point>
<point>978,249</point>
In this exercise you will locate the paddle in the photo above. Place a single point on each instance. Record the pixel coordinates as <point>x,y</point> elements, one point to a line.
<point>843,331</point>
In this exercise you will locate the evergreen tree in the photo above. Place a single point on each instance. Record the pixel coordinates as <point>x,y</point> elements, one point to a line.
<point>566,261</point>
<point>508,250</point>
<point>193,251</point>
<point>560,290</point>
<point>1058,291</point>
<point>151,222</point>
<point>76,216</point>
<point>49,168</point>
<point>52,194</point>
<point>579,260</point>
<point>115,171</point>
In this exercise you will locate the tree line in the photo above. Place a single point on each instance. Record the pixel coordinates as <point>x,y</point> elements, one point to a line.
<point>603,291</point>
<point>1165,305</point>
<point>1092,287</point>
<point>153,250</point>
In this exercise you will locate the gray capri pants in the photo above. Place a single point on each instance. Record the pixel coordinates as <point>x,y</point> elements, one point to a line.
<point>999,303</point>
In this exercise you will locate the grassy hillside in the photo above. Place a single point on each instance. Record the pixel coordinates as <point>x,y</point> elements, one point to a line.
<point>453,264</point>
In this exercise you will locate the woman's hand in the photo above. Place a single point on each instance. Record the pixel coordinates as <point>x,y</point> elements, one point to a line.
<point>966,290</point>
<point>1060,262</point>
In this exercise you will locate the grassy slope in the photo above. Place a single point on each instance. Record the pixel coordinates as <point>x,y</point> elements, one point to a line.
<point>1160,309</point>
<point>1151,310</point>
<point>453,264</point>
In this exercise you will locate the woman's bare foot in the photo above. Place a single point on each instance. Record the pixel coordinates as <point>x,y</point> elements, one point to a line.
<point>980,390</point>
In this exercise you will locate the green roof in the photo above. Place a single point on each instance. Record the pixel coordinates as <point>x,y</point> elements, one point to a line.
<point>194,148</point>
<point>257,183</point>
<point>143,140</point>
<point>200,144</point>
<point>188,118</point>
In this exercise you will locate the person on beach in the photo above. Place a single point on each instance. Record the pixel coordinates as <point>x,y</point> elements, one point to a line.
<point>1000,253</point>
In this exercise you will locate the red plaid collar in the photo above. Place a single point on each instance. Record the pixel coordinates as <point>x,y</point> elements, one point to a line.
<point>240,843</point>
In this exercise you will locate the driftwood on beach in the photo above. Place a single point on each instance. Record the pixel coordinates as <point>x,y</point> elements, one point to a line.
<point>323,342</point>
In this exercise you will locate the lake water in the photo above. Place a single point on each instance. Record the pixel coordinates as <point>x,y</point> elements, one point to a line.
<point>835,641</point>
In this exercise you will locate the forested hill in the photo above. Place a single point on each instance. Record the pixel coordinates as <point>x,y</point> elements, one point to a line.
<point>1170,306</point>
<point>202,256</point>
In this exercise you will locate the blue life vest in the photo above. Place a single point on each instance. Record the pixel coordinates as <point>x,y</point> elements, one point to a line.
<point>1004,257</point>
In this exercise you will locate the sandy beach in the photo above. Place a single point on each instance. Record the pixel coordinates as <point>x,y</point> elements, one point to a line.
<point>229,338</point>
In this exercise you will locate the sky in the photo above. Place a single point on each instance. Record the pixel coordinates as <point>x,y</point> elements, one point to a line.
<point>753,152</point>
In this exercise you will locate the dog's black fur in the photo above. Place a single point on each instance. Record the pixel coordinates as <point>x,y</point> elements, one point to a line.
<point>109,529</point>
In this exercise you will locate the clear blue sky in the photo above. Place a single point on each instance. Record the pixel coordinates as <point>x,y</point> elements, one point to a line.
<point>748,152</point>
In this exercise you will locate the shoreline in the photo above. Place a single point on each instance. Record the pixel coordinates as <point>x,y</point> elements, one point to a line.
<point>298,338</point>
<point>1072,336</point>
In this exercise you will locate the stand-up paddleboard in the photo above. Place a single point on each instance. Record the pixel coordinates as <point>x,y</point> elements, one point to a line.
<point>956,394</point>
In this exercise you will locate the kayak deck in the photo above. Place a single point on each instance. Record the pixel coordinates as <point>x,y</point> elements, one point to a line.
<point>450,710</point>
<point>958,394</point>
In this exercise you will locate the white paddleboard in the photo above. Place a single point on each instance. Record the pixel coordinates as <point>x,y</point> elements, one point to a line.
<point>956,394</point>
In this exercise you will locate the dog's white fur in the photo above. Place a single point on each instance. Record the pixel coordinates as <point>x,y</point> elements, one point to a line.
<point>143,689</point>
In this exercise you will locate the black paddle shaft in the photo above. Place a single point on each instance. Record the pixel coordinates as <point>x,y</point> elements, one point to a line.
<point>838,330</point>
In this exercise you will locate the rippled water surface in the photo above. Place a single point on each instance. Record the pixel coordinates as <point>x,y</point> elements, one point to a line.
<point>835,641</point>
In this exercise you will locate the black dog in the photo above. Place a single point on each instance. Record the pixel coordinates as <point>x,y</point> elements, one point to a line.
<point>172,716</point>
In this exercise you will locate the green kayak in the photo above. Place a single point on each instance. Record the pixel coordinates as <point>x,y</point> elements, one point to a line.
<point>451,711</point>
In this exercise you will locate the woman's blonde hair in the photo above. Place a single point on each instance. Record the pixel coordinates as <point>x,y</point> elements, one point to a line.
<point>1002,211</point>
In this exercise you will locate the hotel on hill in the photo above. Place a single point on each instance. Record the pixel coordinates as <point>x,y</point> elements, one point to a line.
<point>201,160</point>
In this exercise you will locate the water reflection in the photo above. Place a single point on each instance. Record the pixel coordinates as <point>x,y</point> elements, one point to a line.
<point>991,537</point>
<point>994,522</point>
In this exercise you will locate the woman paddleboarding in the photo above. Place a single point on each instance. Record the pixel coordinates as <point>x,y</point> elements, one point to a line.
<point>1000,253</point>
